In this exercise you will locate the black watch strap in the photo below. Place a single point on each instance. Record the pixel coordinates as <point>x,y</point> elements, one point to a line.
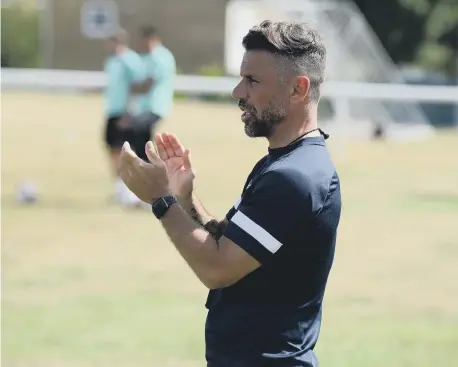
<point>161,205</point>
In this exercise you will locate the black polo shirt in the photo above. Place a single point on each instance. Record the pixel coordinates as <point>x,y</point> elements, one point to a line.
<point>286,218</point>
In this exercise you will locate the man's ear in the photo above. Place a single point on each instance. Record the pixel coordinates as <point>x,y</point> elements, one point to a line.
<point>300,88</point>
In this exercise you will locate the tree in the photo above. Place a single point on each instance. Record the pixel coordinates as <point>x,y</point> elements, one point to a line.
<point>20,40</point>
<point>411,30</point>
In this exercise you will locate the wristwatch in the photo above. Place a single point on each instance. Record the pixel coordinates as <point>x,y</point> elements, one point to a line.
<point>161,205</point>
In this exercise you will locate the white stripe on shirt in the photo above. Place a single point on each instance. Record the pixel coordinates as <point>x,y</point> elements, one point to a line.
<point>237,203</point>
<point>256,231</point>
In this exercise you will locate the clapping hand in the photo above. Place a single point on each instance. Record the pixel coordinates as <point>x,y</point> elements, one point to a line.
<point>177,161</point>
<point>148,181</point>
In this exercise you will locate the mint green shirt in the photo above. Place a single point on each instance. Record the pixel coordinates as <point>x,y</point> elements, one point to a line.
<point>161,67</point>
<point>121,71</point>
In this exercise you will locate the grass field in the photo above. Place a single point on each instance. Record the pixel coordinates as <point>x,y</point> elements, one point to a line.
<point>88,284</point>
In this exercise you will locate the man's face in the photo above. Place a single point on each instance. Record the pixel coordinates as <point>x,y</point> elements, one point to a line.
<point>262,96</point>
<point>143,44</point>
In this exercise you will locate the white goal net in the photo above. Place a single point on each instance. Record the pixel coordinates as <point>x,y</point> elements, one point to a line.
<point>354,55</point>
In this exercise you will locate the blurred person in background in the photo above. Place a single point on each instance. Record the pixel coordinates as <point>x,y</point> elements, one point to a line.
<point>267,263</point>
<point>124,70</point>
<point>156,95</point>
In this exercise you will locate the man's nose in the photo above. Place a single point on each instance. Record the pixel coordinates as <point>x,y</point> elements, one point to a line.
<point>237,92</point>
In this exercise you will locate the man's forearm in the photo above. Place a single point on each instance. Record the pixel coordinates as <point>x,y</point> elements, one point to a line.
<point>143,87</point>
<point>199,214</point>
<point>195,209</point>
<point>195,244</point>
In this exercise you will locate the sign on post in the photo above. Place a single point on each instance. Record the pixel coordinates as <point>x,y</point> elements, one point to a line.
<point>99,18</point>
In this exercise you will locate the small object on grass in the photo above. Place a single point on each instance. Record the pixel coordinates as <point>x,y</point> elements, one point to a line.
<point>27,193</point>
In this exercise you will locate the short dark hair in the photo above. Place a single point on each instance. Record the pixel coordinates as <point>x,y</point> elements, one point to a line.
<point>299,44</point>
<point>149,31</point>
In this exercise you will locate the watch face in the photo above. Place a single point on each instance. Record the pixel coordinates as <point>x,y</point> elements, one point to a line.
<point>161,206</point>
<point>158,203</point>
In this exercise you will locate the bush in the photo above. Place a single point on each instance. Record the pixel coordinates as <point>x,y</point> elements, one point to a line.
<point>20,27</point>
<point>214,70</point>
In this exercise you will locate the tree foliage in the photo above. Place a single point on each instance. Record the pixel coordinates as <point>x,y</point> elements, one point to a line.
<point>20,36</point>
<point>423,32</point>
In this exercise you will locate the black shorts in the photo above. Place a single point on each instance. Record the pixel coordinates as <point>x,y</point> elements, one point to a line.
<point>142,129</point>
<point>137,135</point>
<point>114,136</point>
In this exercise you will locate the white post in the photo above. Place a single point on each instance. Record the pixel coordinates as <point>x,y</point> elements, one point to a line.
<point>341,119</point>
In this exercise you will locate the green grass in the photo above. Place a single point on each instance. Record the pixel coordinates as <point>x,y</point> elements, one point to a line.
<point>88,284</point>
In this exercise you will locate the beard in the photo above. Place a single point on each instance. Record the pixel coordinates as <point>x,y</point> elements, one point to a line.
<point>261,124</point>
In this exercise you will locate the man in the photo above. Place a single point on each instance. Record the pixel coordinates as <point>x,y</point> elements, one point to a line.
<point>123,69</point>
<point>267,263</point>
<point>156,101</point>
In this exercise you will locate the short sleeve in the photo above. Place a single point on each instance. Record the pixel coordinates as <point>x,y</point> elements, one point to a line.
<point>155,68</point>
<point>264,220</point>
<point>161,65</point>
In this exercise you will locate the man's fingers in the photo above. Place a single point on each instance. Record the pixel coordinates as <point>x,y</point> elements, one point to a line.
<point>176,145</point>
<point>172,145</point>
<point>127,152</point>
<point>187,160</point>
<point>126,162</point>
<point>168,145</point>
<point>129,161</point>
<point>161,147</point>
<point>125,175</point>
<point>151,153</point>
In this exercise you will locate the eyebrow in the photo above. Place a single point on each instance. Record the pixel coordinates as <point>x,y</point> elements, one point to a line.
<point>249,76</point>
